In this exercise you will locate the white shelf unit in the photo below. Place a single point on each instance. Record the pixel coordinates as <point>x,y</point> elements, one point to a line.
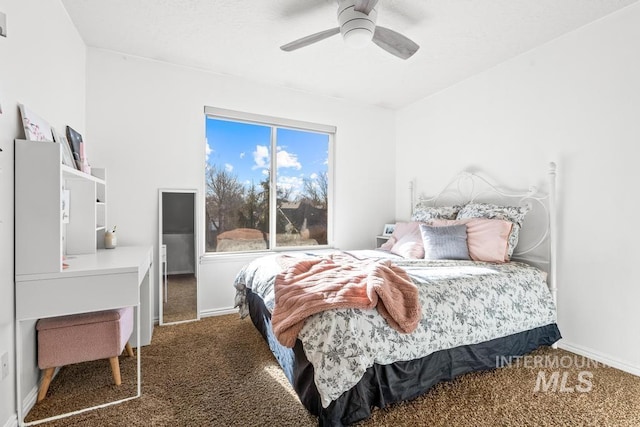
<point>42,239</point>
<point>101,205</point>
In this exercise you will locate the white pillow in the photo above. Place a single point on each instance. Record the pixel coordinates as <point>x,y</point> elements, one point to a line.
<point>405,241</point>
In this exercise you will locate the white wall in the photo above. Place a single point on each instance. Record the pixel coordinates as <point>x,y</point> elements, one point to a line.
<point>42,65</point>
<point>575,100</point>
<point>146,125</point>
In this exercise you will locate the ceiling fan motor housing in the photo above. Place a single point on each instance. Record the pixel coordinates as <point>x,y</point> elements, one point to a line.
<point>357,28</point>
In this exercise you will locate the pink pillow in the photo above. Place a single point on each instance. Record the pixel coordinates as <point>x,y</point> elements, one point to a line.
<point>487,238</point>
<point>406,240</point>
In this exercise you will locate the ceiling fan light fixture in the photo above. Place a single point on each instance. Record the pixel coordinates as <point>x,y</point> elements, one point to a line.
<point>357,28</point>
<point>358,37</point>
<point>357,19</point>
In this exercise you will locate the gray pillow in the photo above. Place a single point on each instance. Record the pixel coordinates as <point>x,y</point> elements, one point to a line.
<point>447,242</point>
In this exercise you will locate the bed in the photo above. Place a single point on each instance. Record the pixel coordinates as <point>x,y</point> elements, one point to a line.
<point>482,262</point>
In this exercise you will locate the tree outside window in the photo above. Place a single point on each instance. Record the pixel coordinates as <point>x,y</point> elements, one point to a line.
<point>241,169</point>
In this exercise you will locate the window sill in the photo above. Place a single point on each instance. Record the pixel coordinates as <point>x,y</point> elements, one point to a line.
<point>214,257</point>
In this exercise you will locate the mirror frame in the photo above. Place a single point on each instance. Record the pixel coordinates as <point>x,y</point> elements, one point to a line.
<point>196,242</point>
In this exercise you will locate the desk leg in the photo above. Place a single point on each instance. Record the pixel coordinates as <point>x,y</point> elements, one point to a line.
<point>145,318</point>
<point>19,373</point>
<point>139,349</point>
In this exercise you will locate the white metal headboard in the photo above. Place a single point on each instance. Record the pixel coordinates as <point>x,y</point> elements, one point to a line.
<point>537,239</point>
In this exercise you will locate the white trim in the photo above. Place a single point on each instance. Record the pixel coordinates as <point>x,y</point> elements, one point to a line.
<point>218,257</point>
<point>12,421</point>
<point>599,357</point>
<point>177,322</point>
<point>262,119</point>
<point>553,233</point>
<point>330,190</point>
<point>30,399</point>
<point>273,187</point>
<point>218,312</point>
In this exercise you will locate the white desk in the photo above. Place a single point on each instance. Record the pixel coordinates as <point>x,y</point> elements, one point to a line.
<point>107,279</point>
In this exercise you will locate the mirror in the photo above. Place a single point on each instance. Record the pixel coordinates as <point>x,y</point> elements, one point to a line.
<point>178,253</point>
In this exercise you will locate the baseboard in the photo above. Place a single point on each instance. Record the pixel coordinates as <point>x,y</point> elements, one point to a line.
<point>599,357</point>
<point>169,273</point>
<point>218,312</point>
<point>30,401</point>
<point>12,421</point>
<point>207,313</point>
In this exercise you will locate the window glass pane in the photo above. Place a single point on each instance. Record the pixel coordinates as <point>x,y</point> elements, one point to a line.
<point>245,161</point>
<point>237,186</point>
<point>302,187</point>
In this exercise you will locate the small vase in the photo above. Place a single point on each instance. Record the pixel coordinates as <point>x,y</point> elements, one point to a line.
<point>110,240</point>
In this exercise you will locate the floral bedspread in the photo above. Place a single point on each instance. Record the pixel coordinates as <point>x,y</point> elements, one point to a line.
<point>463,302</point>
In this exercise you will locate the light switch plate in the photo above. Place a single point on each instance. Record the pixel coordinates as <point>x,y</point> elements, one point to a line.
<point>3,25</point>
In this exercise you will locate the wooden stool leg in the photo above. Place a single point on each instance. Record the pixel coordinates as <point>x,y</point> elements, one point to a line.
<point>127,347</point>
<point>44,385</point>
<point>115,370</point>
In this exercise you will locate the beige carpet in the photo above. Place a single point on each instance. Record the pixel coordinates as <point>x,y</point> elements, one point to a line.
<point>219,372</point>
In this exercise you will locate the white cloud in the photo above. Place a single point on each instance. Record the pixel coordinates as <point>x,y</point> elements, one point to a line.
<point>288,160</point>
<point>242,155</point>
<point>208,151</point>
<point>261,157</point>
<point>228,167</point>
<point>314,176</point>
<point>294,184</point>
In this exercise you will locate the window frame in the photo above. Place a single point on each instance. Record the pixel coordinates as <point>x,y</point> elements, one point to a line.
<point>274,123</point>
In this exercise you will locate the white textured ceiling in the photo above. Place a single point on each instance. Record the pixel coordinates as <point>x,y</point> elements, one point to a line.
<point>458,38</point>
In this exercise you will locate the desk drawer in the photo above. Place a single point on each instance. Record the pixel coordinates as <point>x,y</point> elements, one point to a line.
<point>54,297</point>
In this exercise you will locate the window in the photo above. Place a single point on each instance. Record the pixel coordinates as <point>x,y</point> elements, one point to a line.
<point>247,157</point>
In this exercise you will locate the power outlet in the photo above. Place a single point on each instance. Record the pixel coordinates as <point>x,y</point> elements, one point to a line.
<point>4,361</point>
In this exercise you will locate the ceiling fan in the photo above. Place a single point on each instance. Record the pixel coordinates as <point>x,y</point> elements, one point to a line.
<point>357,24</point>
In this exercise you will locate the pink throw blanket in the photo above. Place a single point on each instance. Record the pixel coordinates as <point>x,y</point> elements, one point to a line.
<point>309,286</point>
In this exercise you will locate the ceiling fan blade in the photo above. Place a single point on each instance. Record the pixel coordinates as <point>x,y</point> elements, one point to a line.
<point>394,43</point>
<point>365,6</point>
<point>313,38</point>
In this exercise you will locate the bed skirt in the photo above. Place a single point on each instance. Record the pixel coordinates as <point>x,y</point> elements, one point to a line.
<point>382,385</point>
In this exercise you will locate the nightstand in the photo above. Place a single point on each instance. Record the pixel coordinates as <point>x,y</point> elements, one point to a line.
<point>380,240</point>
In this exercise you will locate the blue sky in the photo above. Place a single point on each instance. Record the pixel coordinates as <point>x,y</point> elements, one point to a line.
<point>244,150</point>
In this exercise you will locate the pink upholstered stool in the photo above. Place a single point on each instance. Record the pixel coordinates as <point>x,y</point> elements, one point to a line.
<point>83,337</point>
